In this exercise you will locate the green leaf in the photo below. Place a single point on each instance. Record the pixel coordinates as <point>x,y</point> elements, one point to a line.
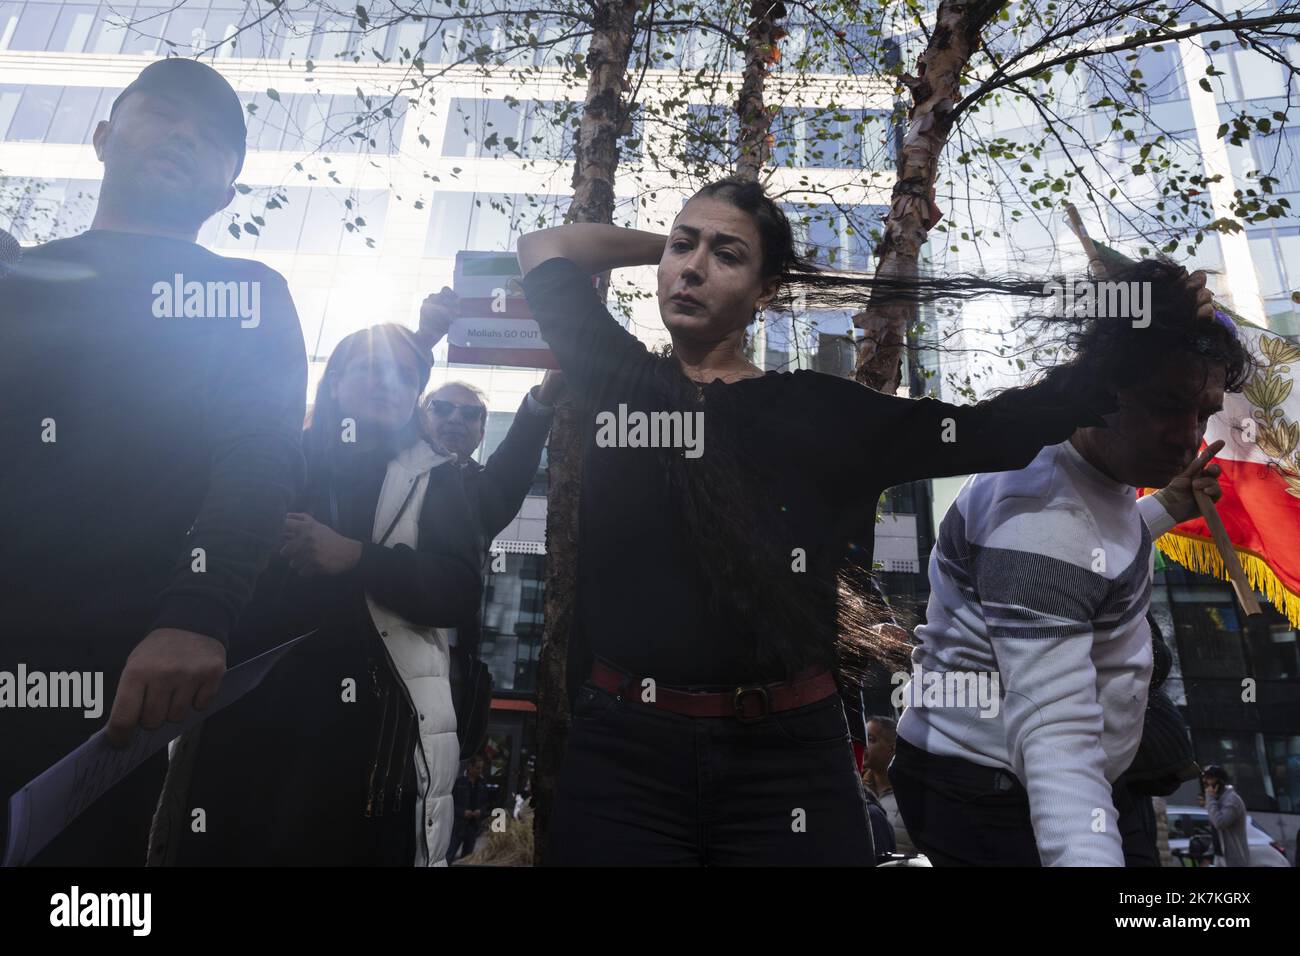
<point>1205,85</point>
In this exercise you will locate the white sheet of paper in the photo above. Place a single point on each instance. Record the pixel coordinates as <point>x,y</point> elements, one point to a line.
<point>44,807</point>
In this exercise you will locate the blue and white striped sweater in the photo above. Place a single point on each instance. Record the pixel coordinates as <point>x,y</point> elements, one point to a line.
<point>1043,576</point>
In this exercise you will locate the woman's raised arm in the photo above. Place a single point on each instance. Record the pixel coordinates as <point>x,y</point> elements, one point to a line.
<point>593,247</point>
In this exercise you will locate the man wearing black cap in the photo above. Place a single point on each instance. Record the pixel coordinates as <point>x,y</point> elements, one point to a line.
<point>151,399</point>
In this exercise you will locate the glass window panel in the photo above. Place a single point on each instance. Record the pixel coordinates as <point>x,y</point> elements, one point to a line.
<point>34,27</point>
<point>386,131</point>
<point>73,28</point>
<point>406,39</point>
<point>1290,248</point>
<point>32,120</point>
<point>109,31</point>
<point>333,39</point>
<point>1261,251</point>
<point>489,225</point>
<point>465,119</point>
<point>1161,72</point>
<point>10,97</point>
<point>147,25</point>
<point>310,125</point>
<point>323,224</point>
<point>239,210</point>
<point>297,38</point>
<point>284,225</point>
<point>342,124</point>
<point>1259,75</point>
<point>187,30</point>
<point>504,121</point>
<point>8,23</point>
<point>221,26</point>
<point>371,206</point>
<point>448,223</point>
<point>75,115</point>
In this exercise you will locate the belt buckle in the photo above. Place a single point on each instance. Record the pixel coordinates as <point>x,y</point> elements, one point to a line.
<point>738,703</point>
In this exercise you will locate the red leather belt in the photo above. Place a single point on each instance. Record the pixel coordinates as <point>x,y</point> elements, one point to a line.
<point>748,702</point>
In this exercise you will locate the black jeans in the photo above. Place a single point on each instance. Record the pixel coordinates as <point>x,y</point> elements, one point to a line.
<point>960,813</point>
<point>640,786</point>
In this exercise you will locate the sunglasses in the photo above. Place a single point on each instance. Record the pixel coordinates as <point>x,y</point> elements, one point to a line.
<point>468,413</point>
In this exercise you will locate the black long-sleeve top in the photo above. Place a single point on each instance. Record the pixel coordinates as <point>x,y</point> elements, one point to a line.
<point>822,450</point>
<point>500,486</point>
<point>148,457</point>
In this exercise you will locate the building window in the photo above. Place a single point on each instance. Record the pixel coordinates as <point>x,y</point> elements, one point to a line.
<point>1276,254</point>
<point>511,640</point>
<point>334,124</point>
<point>488,222</point>
<point>40,210</point>
<point>1283,754</point>
<point>837,236</point>
<point>308,220</point>
<point>479,128</point>
<point>827,139</point>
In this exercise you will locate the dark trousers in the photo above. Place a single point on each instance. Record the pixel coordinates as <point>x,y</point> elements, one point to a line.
<point>963,814</point>
<point>463,837</point>
<point>640,786</point>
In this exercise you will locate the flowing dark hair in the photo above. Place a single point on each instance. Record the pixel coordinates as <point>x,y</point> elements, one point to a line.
<point>324,427</point>
<point>1122,352</point>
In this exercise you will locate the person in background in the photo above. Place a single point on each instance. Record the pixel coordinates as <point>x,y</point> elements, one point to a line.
<point>881,741</point>
<point>456,418</point>
<point>1227,813</point>
<point>151,403</point>
<point>473,804</point>
<point>347,752</point>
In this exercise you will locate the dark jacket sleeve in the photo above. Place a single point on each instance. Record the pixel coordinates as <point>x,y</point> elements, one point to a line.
<point>599,357</point>
<point>436,584</point>
<point>504,481</point>
<point>256,397</point>
<point>906,439</point>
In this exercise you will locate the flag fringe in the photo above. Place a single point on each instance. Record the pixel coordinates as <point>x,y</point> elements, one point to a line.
<point>1201,556</point>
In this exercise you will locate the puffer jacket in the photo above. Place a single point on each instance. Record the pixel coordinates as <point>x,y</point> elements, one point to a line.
<point>420,658</point>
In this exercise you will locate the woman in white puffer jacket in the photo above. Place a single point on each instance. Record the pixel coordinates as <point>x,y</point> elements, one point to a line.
<point>346,754</point>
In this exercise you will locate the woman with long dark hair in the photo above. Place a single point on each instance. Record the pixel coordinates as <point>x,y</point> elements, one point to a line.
<point>347,752</point>
<point>710,596</point>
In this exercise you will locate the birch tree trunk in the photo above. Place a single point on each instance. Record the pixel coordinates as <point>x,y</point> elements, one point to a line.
<point>935,91</point>
<point>755,120</point>
<point>596,163</point>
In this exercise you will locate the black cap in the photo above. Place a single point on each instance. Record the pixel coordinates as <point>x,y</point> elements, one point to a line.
<point>203,86</point>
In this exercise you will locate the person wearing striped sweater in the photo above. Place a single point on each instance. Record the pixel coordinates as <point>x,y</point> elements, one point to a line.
<point>1040,583</point>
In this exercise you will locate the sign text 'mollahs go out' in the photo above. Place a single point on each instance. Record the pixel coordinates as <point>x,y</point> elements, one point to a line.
<point>494,326</point>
